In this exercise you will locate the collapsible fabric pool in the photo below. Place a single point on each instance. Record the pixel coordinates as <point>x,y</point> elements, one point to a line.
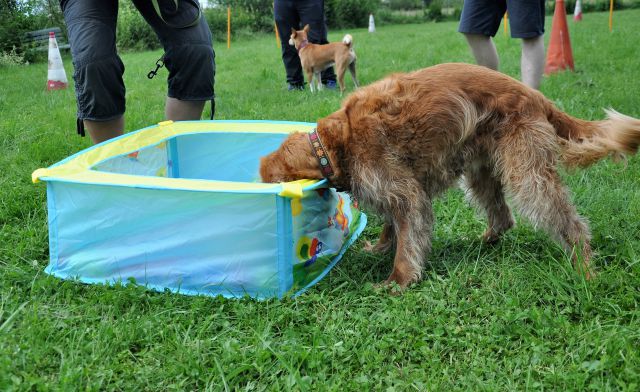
<point>179,206</point>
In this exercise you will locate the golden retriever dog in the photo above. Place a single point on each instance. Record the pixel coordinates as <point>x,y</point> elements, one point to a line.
<point>400,142</point>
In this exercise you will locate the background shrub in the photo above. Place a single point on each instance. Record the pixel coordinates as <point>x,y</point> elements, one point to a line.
<point>342,14</point>
<point>404,4</point>
<point>133,32</point>
<point>386,16</point>
<point>242,22</point>
<point>11,58</point>
<point>434,12</point>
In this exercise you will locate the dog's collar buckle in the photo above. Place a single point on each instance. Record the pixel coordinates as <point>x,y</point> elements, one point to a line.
<point>321,154</point>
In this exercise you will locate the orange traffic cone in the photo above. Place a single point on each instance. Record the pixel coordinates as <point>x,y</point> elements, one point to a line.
<point>559,55</point>
<point>57,79</point>
<point>577,12</point>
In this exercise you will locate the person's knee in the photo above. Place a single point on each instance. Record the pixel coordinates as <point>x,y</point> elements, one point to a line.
<point>533,41</point>
<point>473,38</point>
<point>533,47</point>
<point>178,110</point>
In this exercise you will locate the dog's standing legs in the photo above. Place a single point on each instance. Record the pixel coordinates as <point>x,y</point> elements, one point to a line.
<point>340,70</point>
<point>317,77</point>
<point>352,71</point>
<point>529,173</point>
<point>487,191</point>
<point>310,79</point>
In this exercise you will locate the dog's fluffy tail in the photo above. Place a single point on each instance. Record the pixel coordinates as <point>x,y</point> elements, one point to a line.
<point>586,142</point>
<point>347,40</point>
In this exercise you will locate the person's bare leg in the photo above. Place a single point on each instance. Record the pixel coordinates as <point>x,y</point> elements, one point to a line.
<point>532,61</point>
<point>178,110</point>
<point>484,50</point>
<point>104,130</point>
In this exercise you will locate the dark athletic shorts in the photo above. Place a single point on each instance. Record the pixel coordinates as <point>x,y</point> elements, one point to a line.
<point>526,17</point>
<point>98,70</point>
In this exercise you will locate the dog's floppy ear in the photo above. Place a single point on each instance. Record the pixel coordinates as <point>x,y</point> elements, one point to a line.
<point>336,125</point>
<point>306,28</point>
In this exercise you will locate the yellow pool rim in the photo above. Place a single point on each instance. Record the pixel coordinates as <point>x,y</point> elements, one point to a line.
<point>77,168</point>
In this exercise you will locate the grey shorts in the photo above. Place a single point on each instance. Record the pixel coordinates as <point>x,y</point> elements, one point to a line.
<point>98,70</point>
<point>526,17</point>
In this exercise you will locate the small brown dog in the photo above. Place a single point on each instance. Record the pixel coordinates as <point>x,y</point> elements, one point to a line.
<point>316,58</point>
<point>398,143</point>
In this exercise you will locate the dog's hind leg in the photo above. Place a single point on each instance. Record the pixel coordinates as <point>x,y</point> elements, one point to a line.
<point>352,71</point>
<point>317,78</point>
<point>528,157</point>
<point>486,190</point>
<point>340,70</point>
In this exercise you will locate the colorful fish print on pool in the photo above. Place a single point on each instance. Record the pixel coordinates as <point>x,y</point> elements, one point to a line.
<point>308,250</point>
<point>340,219</point>
<point>322,220</point>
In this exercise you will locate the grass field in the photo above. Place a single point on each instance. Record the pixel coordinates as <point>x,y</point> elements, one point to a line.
<point>513,316</point>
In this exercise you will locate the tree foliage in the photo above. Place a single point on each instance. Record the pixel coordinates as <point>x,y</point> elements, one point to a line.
<point>19,16</point>
<point>248,17</point>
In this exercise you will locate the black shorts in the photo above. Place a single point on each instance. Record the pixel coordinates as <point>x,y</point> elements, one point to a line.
<point>526,17</point>
<point>98,70</point>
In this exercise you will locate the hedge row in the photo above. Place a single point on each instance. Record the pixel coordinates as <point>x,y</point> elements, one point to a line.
<point>248,17</point>
<point>133,33</point>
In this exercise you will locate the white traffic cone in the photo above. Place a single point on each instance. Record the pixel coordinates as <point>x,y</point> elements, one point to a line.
<point>57,79</point>
<point>372,24</point>
<point>577,12</point>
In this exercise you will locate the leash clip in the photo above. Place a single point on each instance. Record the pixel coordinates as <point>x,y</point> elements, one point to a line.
<point>159,64</point>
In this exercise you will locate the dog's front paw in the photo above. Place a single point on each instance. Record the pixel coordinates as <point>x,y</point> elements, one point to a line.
<point>490,237</point>
<point>378,247</point>
<point>396,283</point>
<point>493,235</point>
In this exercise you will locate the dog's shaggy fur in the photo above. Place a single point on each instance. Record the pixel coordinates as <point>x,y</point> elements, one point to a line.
<point>400,142</point>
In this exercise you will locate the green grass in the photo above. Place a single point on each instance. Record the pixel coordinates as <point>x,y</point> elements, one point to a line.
<point>506,317</point>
